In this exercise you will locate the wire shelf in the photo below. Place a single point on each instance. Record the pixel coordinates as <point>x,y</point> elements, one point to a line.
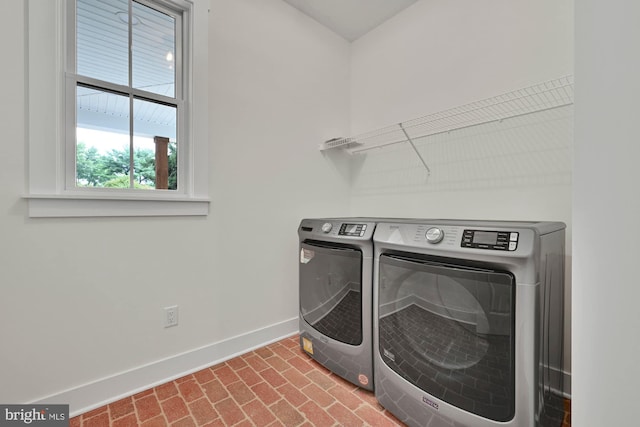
<point>540,97</point>
<point>341,142</point>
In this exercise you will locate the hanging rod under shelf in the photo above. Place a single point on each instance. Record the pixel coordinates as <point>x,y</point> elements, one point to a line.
<point>540,97</point>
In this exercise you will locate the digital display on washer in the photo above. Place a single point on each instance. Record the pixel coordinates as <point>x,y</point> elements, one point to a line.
<point>485,237</point>
<point>352,230</point>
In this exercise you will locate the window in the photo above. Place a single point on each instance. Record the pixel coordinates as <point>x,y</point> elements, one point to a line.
<point>128,108</point>
<point>127,88</point>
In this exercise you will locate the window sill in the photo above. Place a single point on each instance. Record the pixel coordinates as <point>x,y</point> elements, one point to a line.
<point>61,206</point>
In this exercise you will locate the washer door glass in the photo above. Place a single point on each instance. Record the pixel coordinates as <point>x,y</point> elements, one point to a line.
<point>449,330</point>
<point>330,290</point>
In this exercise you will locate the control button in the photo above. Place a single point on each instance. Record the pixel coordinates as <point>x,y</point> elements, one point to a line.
<point>326,227</point>
<point>513,237</point>
<point>512,246</point>
<point>434,235</point>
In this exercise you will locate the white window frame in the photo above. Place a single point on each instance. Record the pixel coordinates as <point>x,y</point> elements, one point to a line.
<point>51,141</point>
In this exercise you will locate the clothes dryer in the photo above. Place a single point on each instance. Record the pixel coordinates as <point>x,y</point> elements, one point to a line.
<point>468,321</point>
<point>336,270</point>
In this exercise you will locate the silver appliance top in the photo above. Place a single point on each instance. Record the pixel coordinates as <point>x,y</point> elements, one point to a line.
<point>345,228</point>
<point>337,229</point>
<point>447,237</point>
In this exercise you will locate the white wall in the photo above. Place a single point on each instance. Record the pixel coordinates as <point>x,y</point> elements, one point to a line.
<point>82,299</point>
<point>279,84</point>
<point>606,209</point>
<point>438,55</point>
<point>441,54</point>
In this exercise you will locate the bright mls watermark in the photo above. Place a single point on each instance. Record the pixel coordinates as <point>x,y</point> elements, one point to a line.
<point>35,415</point>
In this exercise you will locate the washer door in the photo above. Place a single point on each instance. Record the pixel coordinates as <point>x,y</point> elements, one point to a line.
<point>331,290</point>
<point>449,330</point>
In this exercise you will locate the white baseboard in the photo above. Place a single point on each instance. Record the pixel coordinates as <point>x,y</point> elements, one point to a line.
<point>98,393</point>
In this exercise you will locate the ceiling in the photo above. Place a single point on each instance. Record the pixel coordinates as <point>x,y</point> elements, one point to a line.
<point>350,18</point>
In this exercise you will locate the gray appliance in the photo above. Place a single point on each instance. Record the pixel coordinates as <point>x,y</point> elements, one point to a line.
<point>336,268</point>
<point>468,322</point>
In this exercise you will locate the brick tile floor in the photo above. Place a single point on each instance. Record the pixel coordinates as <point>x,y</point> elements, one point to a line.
<point>277,385</point>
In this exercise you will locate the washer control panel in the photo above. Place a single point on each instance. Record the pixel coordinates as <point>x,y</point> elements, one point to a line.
<point>494,240</point>
<point>352,230</point>
<point>434,235</point>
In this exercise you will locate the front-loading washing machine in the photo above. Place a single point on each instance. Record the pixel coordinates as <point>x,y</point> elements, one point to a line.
<point>336,269</point>
<point>468,321</point>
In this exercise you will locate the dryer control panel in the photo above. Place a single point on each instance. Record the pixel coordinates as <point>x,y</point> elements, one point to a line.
<point>494,240</point>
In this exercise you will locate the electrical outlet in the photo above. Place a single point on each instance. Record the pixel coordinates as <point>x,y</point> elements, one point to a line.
<point>171,316</point>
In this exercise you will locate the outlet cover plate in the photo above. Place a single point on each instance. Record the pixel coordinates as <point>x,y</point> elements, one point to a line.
<point>171,316</point>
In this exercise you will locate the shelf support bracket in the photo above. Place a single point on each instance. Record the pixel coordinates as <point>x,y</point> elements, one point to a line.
<point>414,148</point>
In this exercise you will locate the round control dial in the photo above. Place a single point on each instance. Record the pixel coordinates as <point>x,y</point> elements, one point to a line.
<point>326,227</point>
<point>434,235</point>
